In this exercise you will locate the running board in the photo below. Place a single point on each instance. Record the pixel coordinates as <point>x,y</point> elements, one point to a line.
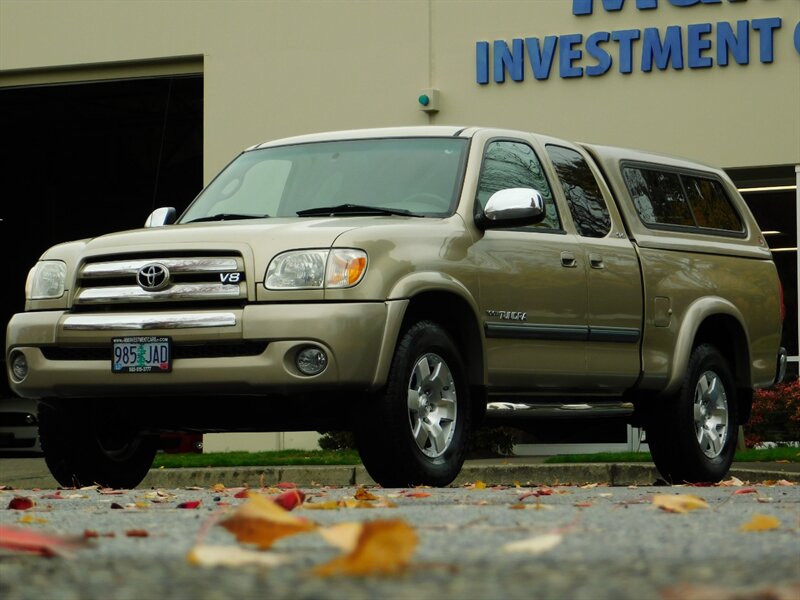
<point>534,410</point>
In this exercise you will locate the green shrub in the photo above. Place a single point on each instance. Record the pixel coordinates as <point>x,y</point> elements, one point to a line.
<point>775,416</point>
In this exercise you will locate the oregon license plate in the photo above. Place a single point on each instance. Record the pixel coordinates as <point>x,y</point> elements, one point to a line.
<point>141,355</point>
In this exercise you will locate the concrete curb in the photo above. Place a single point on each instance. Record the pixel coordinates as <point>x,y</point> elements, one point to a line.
<point>614,474</point>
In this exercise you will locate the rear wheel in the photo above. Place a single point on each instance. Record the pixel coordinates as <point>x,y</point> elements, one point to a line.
<point>692,437</point>
<point>84,446</point>
<point>415,432</point>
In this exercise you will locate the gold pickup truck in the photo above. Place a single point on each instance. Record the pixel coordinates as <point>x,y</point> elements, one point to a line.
<point>395,283</point>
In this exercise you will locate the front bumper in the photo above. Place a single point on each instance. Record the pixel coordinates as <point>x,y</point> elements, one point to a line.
<point>69,355</point>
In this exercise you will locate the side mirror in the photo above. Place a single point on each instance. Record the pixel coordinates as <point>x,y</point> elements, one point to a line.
<point>161,216</point>
<point>513,207</point>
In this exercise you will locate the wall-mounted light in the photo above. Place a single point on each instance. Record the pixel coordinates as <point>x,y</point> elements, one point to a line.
<point>428,100</point>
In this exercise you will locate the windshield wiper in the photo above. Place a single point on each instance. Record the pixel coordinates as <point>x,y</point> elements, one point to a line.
<point>226,217</point>
<point>353,210</point>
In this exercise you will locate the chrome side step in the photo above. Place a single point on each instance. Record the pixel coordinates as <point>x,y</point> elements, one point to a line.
<point>534,410</point>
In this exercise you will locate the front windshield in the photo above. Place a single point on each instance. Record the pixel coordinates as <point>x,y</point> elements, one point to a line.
<point>418,175</point>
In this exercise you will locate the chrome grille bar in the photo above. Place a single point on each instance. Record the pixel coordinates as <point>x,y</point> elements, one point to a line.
<point>177,292</point>
<point>189,266</point>
<point>155,321</point>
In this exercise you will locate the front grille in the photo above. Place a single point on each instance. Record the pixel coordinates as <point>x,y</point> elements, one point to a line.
<point>112,283</point>
<point>216,350</point>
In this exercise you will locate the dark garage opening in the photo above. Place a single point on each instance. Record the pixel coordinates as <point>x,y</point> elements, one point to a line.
<point>80,160</point>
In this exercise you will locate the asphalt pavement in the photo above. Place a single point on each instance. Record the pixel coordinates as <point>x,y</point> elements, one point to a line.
<point>27,473</point>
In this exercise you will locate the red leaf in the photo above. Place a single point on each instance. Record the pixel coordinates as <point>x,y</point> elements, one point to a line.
<point>290,499</point>
<point>242,494</point>
<point>56,496</point>
<point>21,503</point>
<point>190,504</point>
<point>286,485</point>
<point>140,533</point>
<point>746,491</point>
<point>417,495</point>
<point>43,544</point>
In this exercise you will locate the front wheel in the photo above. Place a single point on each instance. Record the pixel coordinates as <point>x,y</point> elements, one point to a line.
<point>415,432</point>
<point>692,437</point>
<point>84,445</point>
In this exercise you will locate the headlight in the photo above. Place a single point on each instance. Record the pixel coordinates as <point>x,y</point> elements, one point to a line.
<point>316,269</point>
<point>46,280</point>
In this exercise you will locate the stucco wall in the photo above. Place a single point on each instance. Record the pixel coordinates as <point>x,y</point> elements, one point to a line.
<point>275,68</point>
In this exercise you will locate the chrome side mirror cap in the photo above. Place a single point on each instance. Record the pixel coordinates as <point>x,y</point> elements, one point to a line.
<point>161,216</point>
<point>513,207</point>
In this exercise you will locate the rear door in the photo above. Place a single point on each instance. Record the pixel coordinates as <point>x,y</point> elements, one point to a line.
<point>614,311</point>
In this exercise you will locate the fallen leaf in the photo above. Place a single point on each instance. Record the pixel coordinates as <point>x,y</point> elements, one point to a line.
<point>262,522</point>
<point>344,535</point>
<point>535,545</point>
<point>137,533</point>
<point>109,492</point>
<point>678,503</point>
<point>417,495</point>
<point>582,504</point>
<point>189,504</point>
<point>732,482</point>
<point>327,505</point>
<point>29,519</point>
<point>232,556</point>
<point>242,494</point>
<point>21,503</point>
<point>382,548</point>
<point>286,485</point>
<point>290,499</point>
<point>362,494</point>
<point>687,591</point>
<point>36,542</point>
<point>55,496</point>
<point>478,485</point>
<point>749,490</point>
<point>761,522</point>
<point>218,487</point>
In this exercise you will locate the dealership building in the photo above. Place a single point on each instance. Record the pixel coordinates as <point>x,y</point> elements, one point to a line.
<point>111,108</point>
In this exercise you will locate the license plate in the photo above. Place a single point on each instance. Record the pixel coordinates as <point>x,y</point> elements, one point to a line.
<point>141,355</point>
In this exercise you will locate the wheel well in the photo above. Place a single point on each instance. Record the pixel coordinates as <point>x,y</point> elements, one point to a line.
<point>456,316</point>
<point>727,335</point>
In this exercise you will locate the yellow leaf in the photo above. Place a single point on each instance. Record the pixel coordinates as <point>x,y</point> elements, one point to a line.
<point>327,505</point>
<point>232,556</point>
<point>218,487</point>
<point>262,522</point>
<point>344,535</point>
<point>678,503</point>
<point>362,494</point>
<point>382,548</point>
<point>761,523</point>
<point>535,545</point>
<point>478,485</point>
<point>28,519</point>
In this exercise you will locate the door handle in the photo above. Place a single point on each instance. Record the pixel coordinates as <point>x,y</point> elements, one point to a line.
<point>596,261</point>
<point>568,260</point>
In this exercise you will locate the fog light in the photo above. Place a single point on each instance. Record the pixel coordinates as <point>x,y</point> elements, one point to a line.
<point>311,361</point>
<point>19,366</point>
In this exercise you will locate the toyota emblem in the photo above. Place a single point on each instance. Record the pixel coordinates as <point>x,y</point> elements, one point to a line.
<point>153,277</point>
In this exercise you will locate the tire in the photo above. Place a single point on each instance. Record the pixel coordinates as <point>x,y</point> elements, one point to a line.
<point>692,437</point>
<point>415,432</point>
<point>83,447</point>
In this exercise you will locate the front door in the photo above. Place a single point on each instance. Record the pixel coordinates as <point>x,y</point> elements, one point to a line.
<point>533,296</point>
